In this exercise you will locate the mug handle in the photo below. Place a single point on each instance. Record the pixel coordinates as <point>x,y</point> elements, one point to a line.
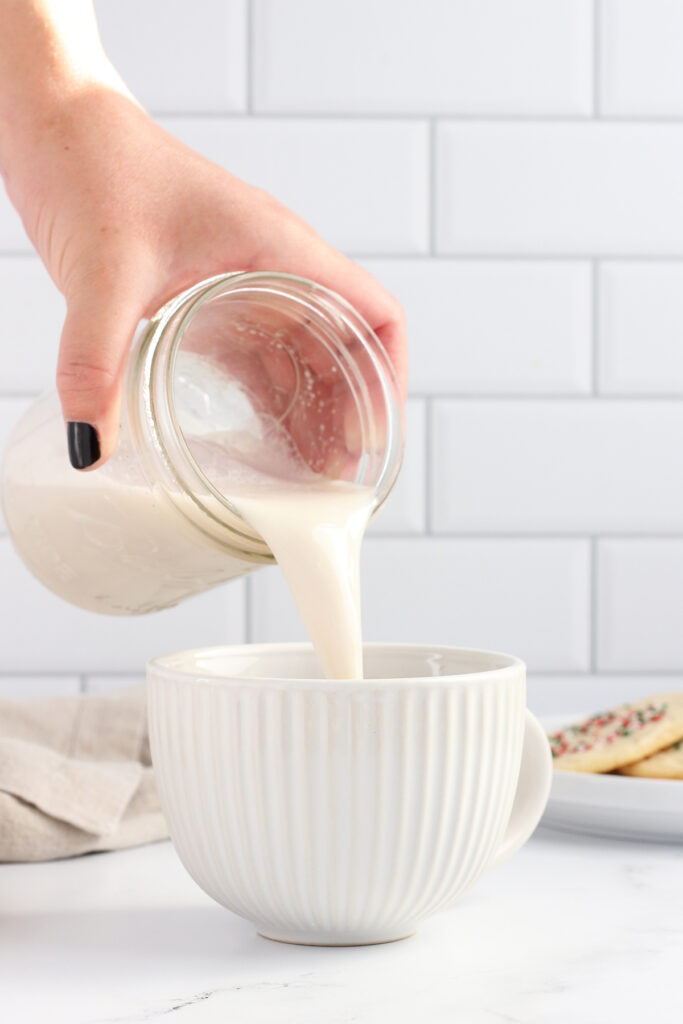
<point>533,788</point>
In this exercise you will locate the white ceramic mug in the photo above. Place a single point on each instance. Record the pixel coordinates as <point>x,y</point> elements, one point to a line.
<point>344,812</point>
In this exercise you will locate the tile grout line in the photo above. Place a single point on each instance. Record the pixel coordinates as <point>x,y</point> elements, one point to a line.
<point>597,63</point>
<point>593,604</point>
<point>428,451</point>
<point>122,674</point>
<point>248,612</point>
<point>414,117</point>
<point>547,396</point>
<point>51,673</point>
<point>249,43</point>
<point>595,328</point>
<point>465,257</point>
<point>536,535</point>
<point>432,185</point>
<point>505,256</point>
<point>627,673</point>
<point>552,672</point>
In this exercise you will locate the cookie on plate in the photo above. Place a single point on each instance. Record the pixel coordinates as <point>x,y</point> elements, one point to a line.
<point>665,764</point>
<point>612,739</point>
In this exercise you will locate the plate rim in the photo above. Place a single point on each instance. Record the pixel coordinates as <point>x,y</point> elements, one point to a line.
<point>619,821</point>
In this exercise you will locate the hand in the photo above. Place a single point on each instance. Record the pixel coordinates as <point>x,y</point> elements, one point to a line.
<point>125,216</point>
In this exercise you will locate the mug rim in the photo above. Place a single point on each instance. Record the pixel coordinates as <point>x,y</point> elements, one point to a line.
<point>159,665</point>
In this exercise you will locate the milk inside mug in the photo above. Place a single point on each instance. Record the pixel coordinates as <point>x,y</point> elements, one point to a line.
<point>243,382</point>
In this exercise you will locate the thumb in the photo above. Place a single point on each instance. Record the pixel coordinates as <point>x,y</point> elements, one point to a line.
<point>93,351</point>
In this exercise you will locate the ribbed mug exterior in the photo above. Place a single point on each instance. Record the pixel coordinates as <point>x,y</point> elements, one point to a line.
<point>337,813</point>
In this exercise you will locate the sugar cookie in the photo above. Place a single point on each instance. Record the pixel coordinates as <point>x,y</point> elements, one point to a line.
<point>665,764</point>
<point>612,739</point>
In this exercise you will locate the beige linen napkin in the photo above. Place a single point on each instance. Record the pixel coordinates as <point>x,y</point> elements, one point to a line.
<point>76,776</point>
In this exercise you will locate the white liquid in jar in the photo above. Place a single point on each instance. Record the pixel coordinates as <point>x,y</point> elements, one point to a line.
<point>109,542</point>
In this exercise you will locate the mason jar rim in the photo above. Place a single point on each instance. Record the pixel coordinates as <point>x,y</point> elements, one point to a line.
<point>160,411</point>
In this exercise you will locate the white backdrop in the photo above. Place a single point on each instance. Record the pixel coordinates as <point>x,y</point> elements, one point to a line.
<point>512,171</point>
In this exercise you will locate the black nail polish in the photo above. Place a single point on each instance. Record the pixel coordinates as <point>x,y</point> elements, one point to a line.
<point>84,444</point>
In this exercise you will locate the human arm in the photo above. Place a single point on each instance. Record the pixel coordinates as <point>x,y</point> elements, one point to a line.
<point>124,215</point>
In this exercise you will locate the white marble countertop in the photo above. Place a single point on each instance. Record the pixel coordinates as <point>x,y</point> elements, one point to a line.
<point>570,929</point>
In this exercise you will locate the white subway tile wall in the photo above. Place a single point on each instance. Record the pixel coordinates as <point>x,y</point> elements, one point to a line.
<point>512,173</point>
<point>405,511</point>
<point>435,57</point>
<point>11,409</point>
<point>556,466</point>
<point>495,327</point>
<point>40,686</point>
<point>12,235</point>
<point>587,693</point>
<point>179,56</point>
<point>32,316</point>
<point>641,67</point>
<point>639,598</point>
<point>105,684</point>
<point>596,188</point>
<point>363,185</point>
<point>527,596</point>
<point>641,328</point>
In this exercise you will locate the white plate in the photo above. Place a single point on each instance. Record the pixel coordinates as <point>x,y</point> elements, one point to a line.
<point>613,805</point>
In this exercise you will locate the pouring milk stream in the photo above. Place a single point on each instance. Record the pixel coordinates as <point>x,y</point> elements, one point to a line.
<point>241,396</point>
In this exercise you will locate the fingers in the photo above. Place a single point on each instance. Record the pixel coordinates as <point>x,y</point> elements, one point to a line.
<point>323,424</point>
<point>378,307</point>
<point>96,337</point>
<point>313,258</point>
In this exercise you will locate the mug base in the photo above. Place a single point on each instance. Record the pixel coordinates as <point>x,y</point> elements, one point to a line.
<point>311,940</point>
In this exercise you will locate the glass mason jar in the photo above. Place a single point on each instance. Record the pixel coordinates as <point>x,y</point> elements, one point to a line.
<point>244,375</point>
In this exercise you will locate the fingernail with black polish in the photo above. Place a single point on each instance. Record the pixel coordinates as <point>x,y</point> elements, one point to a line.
<point>84,444</point>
